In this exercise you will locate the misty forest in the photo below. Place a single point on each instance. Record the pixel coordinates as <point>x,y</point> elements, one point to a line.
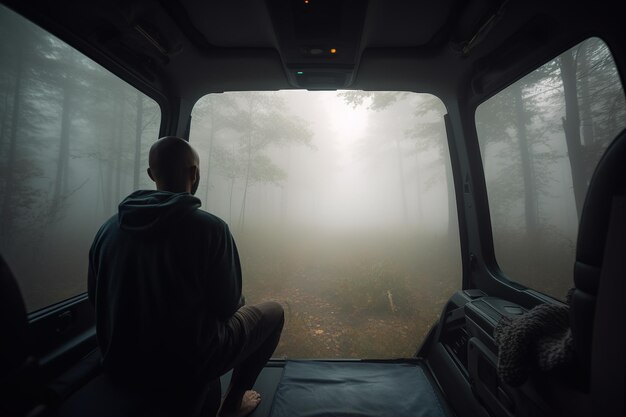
<point>341,203</point>
<point>541,139</point>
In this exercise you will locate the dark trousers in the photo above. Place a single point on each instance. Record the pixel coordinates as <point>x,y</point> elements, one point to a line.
<point>252,333</point>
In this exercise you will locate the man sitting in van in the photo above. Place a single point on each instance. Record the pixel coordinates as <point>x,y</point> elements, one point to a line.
<point>165,280</point>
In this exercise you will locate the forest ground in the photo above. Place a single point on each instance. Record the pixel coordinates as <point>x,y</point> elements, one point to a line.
<point>350,300</point>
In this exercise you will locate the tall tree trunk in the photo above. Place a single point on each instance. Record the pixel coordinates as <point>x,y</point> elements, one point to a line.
<point>6,217</point>
<point>138,134</point>
<point>209,157</point>
<point>283,204</point>
<point>118,175</point>
<point>118,150</point>
<point>530,192</point>
<point>284,193</point>
<point>230,200</point>
<point>402,182</point>
<point>108,187</point>
<point>242,213</point>
<point>451,232</point>
<point>5,115</point>
<point>100,189</point>
<point>571,127</point>
<point>420,200</point>
<point>60,183</point>
<point>585,96</point>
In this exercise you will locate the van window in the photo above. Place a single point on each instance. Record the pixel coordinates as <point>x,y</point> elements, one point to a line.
<point>72,145</point>
<point>540,140</point>
<point>342,206</point>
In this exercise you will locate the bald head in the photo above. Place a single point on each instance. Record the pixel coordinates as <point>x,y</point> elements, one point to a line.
<point>174,165</point>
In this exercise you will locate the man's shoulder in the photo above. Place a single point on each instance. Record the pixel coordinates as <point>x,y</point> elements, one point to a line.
<point>202,218</point>
<point>108,226</point>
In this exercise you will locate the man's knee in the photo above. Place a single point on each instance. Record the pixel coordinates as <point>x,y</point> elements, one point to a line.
<point>272,312</point>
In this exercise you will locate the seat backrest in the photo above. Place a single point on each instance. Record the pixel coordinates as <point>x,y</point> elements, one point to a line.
<point>16,363</point>
<point>608,181</point>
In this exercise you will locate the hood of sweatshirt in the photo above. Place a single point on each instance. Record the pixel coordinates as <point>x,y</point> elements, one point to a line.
<point>149,211</point>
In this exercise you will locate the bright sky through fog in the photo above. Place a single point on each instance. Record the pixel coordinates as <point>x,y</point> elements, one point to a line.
<point>348,126</point>
<point>340,131</point>
<point>349,123</point>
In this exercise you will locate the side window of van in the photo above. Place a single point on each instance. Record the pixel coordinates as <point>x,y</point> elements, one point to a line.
<point>73,141</point>
<point>540,140</point>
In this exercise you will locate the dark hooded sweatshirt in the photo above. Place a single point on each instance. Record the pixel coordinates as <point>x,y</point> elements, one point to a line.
<point>163,277</point>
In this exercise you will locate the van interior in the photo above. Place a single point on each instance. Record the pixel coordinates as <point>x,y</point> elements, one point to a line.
<point>434,191</point>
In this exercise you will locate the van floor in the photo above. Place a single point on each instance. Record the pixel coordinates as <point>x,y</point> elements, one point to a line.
<point>347,388</point>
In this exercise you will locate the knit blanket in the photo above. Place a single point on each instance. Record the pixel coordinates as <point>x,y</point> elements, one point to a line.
<point>540,340</point>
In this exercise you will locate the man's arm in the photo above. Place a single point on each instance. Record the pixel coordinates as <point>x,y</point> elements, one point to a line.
<point>92,278</point>
<point>227,276</point>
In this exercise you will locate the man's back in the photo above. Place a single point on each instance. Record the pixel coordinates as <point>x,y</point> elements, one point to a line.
<point>165,280</point>
<point>162,274</point>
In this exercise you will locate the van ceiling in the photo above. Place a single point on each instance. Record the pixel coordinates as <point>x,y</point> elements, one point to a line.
<point>188,48</point>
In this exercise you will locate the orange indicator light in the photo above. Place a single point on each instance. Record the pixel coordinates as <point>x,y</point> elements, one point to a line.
<point>333,51</point>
